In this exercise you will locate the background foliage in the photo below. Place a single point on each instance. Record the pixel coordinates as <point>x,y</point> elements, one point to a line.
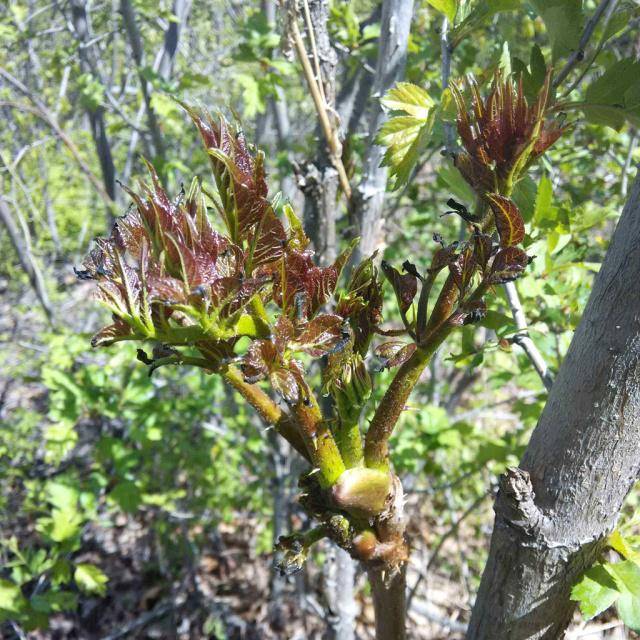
<point>123,495</point>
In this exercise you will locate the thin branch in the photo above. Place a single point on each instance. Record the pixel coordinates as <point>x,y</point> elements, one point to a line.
<point>445,71</point>
<point>330,132</point>
<point>135,40</point>
<point>26,259</point>
<point>578,55</point>
<point>436,552</point>
<point>523,339</point>
<point>40,111</point>
<point>610,9</point>
<point>314,50</point>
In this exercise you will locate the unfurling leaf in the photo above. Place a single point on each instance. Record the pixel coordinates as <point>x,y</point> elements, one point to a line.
<point>261,357</point>
<point>395,353</point>
<point>508,264</point>
<point>321,335</point>
<point>405,285</point>
<point>462,269</point>
<point>482,249</point>
<point>503,133</point>
<point>361,305</point>
<point>509,222</point>
<point>469,313</point>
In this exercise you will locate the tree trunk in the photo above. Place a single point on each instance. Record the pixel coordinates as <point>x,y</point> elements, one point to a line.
<point>392,54</point>
<point>135,40</point>
<point>96,115</point>
<point>553,513</point>
<point>389,604</point>
<point>26,259</point>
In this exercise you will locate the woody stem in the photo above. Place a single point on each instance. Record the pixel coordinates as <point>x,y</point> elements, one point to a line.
<point>376,447</point>
<point>267,409</point>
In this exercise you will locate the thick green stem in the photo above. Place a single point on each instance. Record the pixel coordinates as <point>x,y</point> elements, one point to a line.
<point>349,442</point>
<point>376,446</point>
<point>320,443</point>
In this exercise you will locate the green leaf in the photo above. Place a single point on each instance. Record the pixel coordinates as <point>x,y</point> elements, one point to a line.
<point>127,495</point>
<point>409,98</point>
<point>11,598</point>
<point>61,495</point>
<point>615,96</point>
<point>482,11</point>
<point>543,210</point>
<point>458,186</point>
<point>252,95</point>
<point>65,524</point>
<point>628,606</point>
<point>405,136</point>
<point>596,591</point>
<point>626,575</point>
<point>564,21</point>
<point>448,7</point>
<point>90,579</point>
<point>623,546</point>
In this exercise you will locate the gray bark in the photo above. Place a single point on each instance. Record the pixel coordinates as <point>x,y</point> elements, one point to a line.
<point>553,513</point>
<point>319,179</point>
<point>96,118</point>
<point>339,576</point>
<point>26,259</point>
<point>392,55</point>
<point>135,41</point>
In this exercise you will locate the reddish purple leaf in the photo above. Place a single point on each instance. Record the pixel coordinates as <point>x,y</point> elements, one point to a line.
<point>508,264</point>
<point>509,222</point>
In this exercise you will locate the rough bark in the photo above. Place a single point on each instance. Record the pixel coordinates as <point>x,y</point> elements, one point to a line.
<point>554,512</point>
<point>319,179</point>
<point>392,54</point>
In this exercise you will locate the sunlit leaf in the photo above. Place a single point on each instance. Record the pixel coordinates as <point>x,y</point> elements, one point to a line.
<point>90,579</point>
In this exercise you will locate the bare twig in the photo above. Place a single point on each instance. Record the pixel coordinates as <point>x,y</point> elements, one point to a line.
<point>578,55</point>
<point>26,259</point>
<point>329,130</point>
<point>40,110</point>
<point>446,50</point>
<point>135,41</point>
<point>523,339</point>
